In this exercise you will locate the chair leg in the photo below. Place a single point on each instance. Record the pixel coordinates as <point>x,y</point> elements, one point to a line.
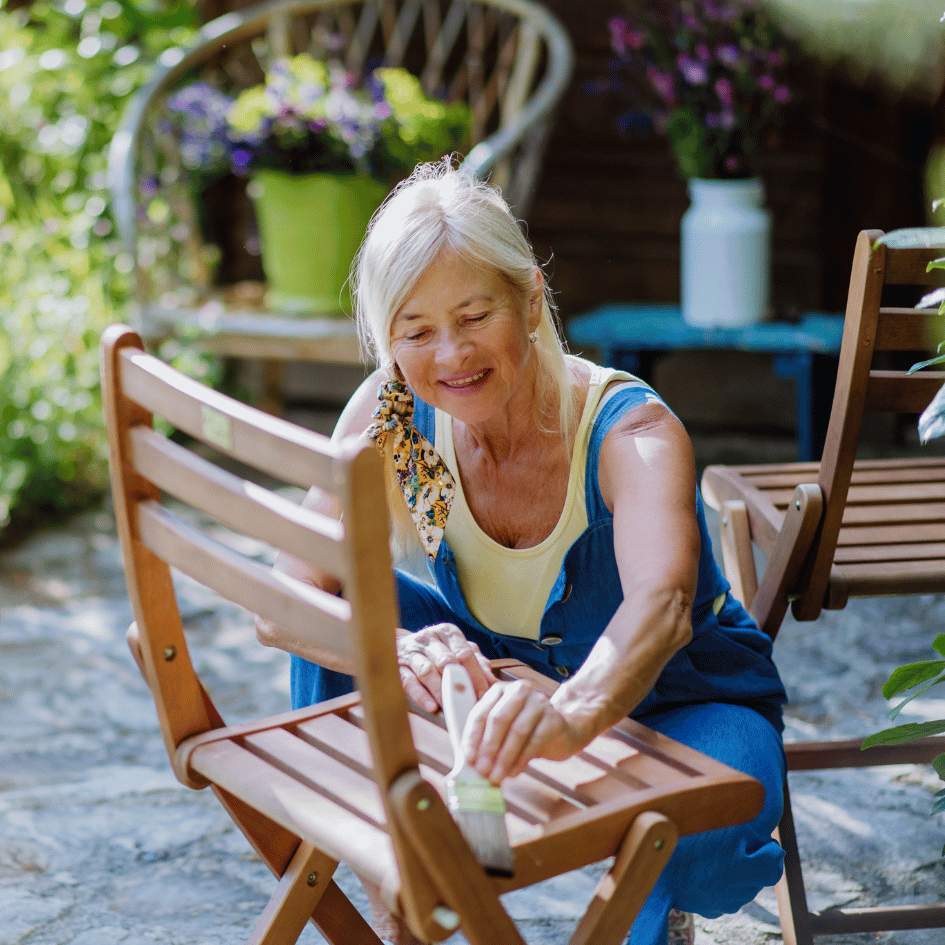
<point>620,895</point>
<point>787,558</point>
<point>460,880</point>
<point>301,887</point>
<point>792,898</point>
<point>737,558</point>
<point>333,914</point>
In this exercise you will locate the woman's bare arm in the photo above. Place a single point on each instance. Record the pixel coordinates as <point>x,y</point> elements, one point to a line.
<point>647,478</point>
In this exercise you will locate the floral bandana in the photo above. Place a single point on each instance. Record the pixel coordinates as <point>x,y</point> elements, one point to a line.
<point>427,485</point>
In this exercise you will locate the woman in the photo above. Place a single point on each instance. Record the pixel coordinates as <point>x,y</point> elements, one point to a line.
<point>557,506</point>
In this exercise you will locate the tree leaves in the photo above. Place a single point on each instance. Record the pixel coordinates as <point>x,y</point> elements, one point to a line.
<point>901,734</point>
<point>912,674</point>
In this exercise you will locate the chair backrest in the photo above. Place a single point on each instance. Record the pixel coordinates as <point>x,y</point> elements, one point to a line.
<point>870,328</point>
<point>146,465</point>
<point>510,60</point>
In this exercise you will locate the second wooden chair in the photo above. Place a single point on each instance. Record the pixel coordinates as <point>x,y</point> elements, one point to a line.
<point>845,528</point>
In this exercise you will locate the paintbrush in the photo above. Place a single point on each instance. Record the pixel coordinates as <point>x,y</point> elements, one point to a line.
<point>477,806</point>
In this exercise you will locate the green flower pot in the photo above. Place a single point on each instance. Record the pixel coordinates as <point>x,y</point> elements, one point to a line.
<point>310,227</point>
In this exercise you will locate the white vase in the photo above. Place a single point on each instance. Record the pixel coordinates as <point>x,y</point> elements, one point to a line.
<point>726,239</point>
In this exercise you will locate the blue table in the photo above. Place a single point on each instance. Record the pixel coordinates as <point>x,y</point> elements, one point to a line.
<point>631,336</point>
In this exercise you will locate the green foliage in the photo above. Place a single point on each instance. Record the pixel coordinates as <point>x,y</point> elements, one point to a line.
<point>687,137</point>
<point>421,128</point>
<point>66,72</point>
<point>915,679</point>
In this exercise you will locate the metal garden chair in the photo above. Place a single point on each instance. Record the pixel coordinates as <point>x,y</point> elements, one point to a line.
<point>510,60</point>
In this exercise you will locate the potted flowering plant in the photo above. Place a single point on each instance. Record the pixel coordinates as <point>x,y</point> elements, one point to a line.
<point>712,75</point>
<point>321,153</point>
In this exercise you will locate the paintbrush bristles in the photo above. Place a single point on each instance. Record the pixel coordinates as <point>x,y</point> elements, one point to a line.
<point>477,806</point>
<point>486,835</point>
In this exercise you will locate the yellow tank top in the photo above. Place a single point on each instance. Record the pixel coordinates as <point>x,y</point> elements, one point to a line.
<point>507,588</point>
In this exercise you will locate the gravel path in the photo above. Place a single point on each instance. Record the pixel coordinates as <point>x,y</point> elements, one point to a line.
<point>99,845</point>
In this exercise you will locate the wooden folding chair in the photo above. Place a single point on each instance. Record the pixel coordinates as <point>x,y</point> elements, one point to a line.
<point>845,528</point>
<point>359,779</point>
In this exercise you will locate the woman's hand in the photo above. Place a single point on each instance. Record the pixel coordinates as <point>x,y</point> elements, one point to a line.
<point>514,723</point>
<point>423,655</point>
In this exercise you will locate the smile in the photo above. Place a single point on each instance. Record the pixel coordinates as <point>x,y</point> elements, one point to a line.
<point>468,381</point>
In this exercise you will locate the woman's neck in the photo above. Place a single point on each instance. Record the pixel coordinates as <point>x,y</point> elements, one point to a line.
<point>516,428</point>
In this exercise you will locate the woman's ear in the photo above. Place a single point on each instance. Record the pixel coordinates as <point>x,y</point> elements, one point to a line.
<point>535,299</point>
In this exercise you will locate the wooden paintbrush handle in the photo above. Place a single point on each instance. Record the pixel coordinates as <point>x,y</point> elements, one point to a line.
<point>459,697</point>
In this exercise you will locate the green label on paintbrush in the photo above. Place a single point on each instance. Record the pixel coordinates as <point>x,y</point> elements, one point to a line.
<point>468,796</point>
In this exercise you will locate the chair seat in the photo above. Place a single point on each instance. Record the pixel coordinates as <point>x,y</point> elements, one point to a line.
<point>310,770</point>
<point>235,322</point>
<point>892,536</point>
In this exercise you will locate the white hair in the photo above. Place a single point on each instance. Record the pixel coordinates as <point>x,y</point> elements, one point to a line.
<point>438,207</point>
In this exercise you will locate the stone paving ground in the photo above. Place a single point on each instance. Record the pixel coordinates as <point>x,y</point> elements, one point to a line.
<point>99,845</point>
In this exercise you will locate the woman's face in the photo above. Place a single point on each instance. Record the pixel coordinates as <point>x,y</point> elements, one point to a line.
<point>461,338</point>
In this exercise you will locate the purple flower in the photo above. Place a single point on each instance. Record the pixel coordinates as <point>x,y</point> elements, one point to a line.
<point>624,37</point>
<point>662,83</point>
<point>241,158</point>
<point>766,83</point>
<point>725,92</point>
<point>693,71</point>
<point>618,27</point>
<point>691,23</point>
<point>382,110</point>
<point>775,58</point>
<point>782,95</point>
<point>729,54</point>
<point>703,52</point>
<point>727,119</point>
<point>713,120</point>
<point>731,163</point>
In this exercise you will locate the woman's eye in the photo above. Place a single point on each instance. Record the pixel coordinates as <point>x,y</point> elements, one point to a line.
<point>417,336</point>
<point>477,318</point>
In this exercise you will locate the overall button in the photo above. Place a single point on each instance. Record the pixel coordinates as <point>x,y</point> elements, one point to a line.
<point>551,640</point>
<point>563,671</point>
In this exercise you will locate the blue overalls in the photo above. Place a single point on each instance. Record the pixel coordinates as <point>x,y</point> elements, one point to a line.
<point>720,694</point>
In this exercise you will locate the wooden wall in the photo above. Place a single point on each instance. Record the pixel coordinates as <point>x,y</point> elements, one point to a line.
<point>608,208</point>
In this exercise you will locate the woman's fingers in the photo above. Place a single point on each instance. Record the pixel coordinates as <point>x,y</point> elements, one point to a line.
<point>420,677</point>
<point>502,713</point>
<point>520,739</point>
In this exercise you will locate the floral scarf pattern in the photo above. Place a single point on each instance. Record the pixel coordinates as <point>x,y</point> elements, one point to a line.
<point>427,485</point>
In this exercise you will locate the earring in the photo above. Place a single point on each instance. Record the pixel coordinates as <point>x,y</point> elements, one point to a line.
<point>533,336</point>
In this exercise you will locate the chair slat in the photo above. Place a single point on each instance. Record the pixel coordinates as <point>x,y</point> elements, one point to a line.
<point>893,577</point>
<point>907,329</point>
<point>274,446</point>
<point>298,808</point>
<point>924,512</point>
<point>319,618</point>
<point>749,472</point>
<point>908,266</point>
<point>238,503</point>
<point>890,534</point>
<point>325,775</point>
<point>876,495</point>
<point>898,392</point>
<point>528,798</point>
<point>861,477</point>
<point>916,551</point>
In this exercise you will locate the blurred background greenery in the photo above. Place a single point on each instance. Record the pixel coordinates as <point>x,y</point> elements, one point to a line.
<point>66,71</point>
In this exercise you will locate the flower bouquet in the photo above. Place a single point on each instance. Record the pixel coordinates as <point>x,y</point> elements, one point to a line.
<point>713,74</point>
<point>321,152</point>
